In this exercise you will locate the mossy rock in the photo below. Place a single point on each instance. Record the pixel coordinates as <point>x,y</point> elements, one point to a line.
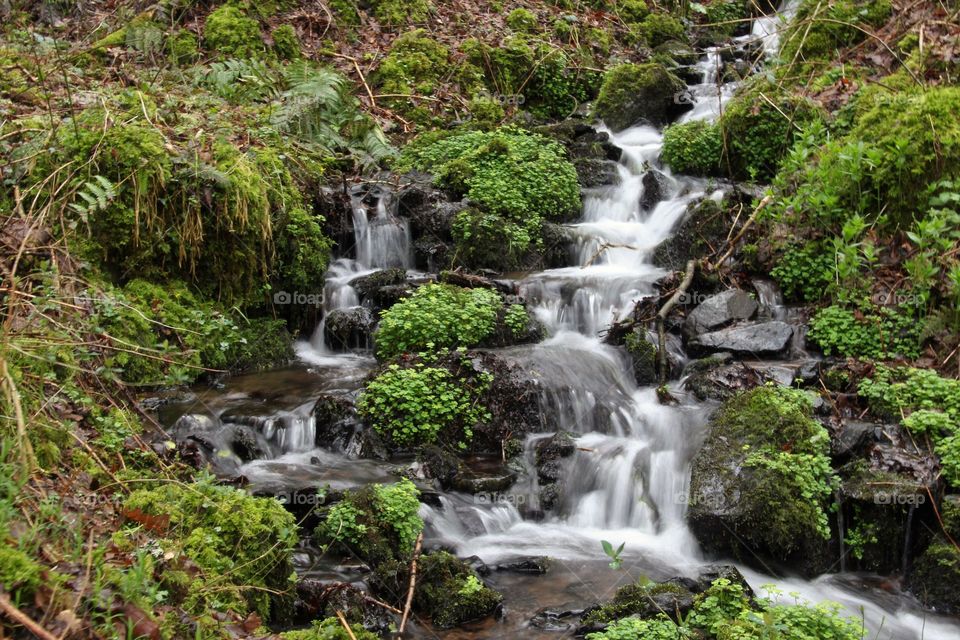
<point>236,540</point>
<point>635,93</point>
<point>819,29</point>
<point>286,43</point>
<point>231,33</point>
<point>450,592</point>
<point>693,148</point>
<point>414,66</point>
<point>183,47</point>
<point>645,600</point>
<point>397,12</point>
<point>643,355</point>
<point>761,481</point>
<point>935,577</point>
<point>329,629</point>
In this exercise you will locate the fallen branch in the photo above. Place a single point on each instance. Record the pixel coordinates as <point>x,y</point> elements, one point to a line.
<point>23,619</point>
<point>746,225</point>
<point>413,584</point>
<point>608,245</point>
<point>662,316</point>
<point>343,621</point>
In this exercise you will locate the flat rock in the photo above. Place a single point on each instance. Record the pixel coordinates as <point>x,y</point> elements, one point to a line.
<point>720,310</point>
<point>765,338</point>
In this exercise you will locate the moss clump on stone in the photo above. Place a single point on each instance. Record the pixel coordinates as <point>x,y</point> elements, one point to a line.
<point>241,545</point>
<point>819,29</point>
<point>414,66</point>
<point>637,92</point>
<point>693,148</point>
<point>183,47</point>
<point>763,477</point>
<point>450,592</point>
<point>286,43</point>
<point>522,20</point>
<point>644,356</point>
<point>396,12</point>
<point>518,177</point>
<point>230,33</point>
<point>935,577</point>
<point>638,599</point>
<point>658,28</point>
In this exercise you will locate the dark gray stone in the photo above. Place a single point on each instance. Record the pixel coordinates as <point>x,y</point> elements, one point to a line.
<point>348,328</point>
<point>655,186</point>
<point>765,338</point>
<point>719,311</point>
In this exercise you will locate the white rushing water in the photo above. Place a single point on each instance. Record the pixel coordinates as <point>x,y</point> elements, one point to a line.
<point>628,478</point>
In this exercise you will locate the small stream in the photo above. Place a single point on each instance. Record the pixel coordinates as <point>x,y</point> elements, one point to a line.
<point>629,476</point>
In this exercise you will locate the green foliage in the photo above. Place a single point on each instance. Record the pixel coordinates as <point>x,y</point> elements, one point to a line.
<point>329,629</point>
<point>804,272</point>
<point>693,148</point>
<point>631,11</point>
<point>866,332</point>
<point>397,12</point>
<point>183,47</point>
<point>820,28</point>
<point>437,315</point>
<point>658,28</point>
<point>930,405</point>
<point>517,320</point>
<point>345,12</point>
<point>242,545</point>
<point>882,170</point>
<point>770,430</point>
<point>486,240</point>
<point>760,125</point>
<point>725,611</point>
<point>522,20</point>
<point>614,554</point>
<point>230,33</point>
<point>377,521</point>
<point>414,66</point>
<point>420,405</point>
<point>286,44</point>
<point>520,177</point>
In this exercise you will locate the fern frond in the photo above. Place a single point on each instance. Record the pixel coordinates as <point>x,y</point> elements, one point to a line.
<point>96,194</point>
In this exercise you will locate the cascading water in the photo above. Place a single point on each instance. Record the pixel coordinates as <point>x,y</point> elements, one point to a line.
<point>628,475</point>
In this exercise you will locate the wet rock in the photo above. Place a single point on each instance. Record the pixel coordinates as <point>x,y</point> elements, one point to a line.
<point>761,339</point>
<point>469,481</point>
<point>316,600</point>
<point>680,52</point>
<point>348,328</point>
<point>247,444</point>
<point>339,429</point>
<point>719,311</point>
<point>441,594</point>
<point>549,460</point>
<point>556,619</point>
<point>673,597</point>
<point>655,185</point>
<point>529,566</point>
<point>381,289</point>
<point>749,511</point>
<point>703,228</point>
<point>194,423</point>
<point>640,93</point>
<point>556,246</point>
<point>854,439</point>
<point>709,379</point>
<point>596,172</point>
<point>710,573</point>
<point>643,357</point>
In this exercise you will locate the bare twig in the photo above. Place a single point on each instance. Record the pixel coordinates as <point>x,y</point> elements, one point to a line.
<point>346,625</point>
<point>23,619</point>
<point>413,584</point>
<point>746,225</point>
<point>662,316</point>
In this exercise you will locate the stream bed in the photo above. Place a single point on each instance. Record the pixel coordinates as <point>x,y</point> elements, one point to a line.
<point>630,473</point>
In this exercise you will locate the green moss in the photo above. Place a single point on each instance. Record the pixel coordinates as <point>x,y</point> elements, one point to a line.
<point>693,148</point>
<point>231,34</point>
<point>485,112</point>
<point>633,599</point>
<point>378,523</point>
<point>286,44</point>
<point>414,65</point>
<point>633,92</point>
<point>450,592</point>
<point>396,12</point>
<point>521,177</point>
<point>658,28</point>
<point>866,331</point>
<point>19,573</point>
<point>522,20</point>
<point>345,12</point>
<point>760,125</point>
<point>241,545</point>
<point>329,629</point>
<point>819,29</point>
<point>631,11</point>
<point>935,577</point>
<point>183,47</point>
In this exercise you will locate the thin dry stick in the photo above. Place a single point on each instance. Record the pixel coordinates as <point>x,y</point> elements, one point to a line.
<point>608,245</point>
<point>413,584</point>
<point>343,621</point>
<point>27,456</point>
<point>746,225</point>
<point>21,618</point>
<point>662,316</point>
<point>356,65</point>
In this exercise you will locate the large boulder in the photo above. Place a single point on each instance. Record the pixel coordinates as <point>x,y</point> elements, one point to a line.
<point>761,339</point>
<point>655,186</point>
<point>640,93</point>
<point>720,311</point>
<point>593,155</point>
<point>759,488</point>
